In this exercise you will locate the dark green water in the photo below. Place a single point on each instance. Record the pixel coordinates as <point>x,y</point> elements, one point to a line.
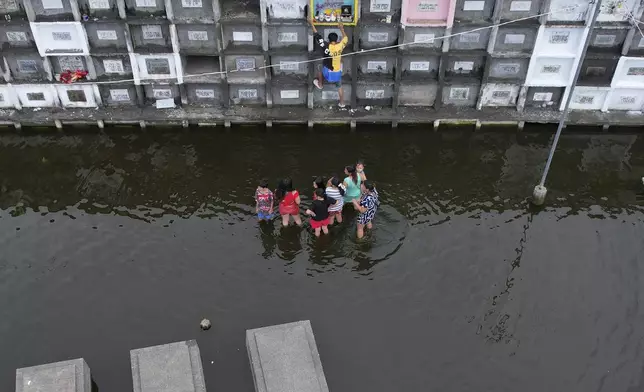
<point>125,239</point>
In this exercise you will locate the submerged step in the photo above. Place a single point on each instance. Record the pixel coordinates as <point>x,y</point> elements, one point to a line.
<point>173,367</point>
<point>285,358</point>
<point>64,376</point>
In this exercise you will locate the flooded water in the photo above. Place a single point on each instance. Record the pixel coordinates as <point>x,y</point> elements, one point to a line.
<point>125,239</point>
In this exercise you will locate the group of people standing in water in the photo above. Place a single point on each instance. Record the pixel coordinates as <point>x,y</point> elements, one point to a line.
<point>329,199</point>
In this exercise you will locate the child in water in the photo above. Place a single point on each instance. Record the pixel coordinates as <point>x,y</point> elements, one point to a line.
<point>264,201</point>
<point>319,183</point>
<point>319,212</point>
<point>335,191</point>
<point>360,170</point>
<point>351,184</point>
<point>289,200</point>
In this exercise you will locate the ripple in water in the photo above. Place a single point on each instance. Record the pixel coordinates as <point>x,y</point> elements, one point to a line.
<point>340,250</point>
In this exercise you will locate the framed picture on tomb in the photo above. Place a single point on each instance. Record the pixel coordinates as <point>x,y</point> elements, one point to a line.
<point>330,12</point>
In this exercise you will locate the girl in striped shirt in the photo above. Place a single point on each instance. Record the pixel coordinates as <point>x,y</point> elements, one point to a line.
<point>335,191</point>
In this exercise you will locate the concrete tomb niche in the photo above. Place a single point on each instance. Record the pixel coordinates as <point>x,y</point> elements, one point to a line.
<point>285,358</point>
<point>65,376</point>
<point>173,367</point>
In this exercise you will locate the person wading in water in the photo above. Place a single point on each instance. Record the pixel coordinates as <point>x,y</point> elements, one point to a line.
<point>367,207</point>
<point>331,69</point>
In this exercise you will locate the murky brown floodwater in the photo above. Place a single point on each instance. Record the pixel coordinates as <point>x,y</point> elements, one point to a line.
<point>125,240</point>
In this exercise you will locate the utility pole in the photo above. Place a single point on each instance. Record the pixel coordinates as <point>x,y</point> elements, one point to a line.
<point>540,191</point>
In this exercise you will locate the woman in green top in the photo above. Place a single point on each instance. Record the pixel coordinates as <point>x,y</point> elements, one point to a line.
<point>351,184</point>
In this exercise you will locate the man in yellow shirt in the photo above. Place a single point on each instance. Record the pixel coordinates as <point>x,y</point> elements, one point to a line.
<point>332,59</point>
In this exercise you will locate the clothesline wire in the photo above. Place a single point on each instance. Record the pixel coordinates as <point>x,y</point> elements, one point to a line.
<point>631,17</point>
<point>342,55</point>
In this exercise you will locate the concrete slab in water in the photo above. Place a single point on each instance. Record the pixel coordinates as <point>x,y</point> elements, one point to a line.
<point>174,367</point>
<point>285,358</point>
<point>64,376</point>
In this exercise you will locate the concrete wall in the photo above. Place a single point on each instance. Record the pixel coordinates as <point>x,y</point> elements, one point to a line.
<point>635,44</point>
<point>193,11</point>
<point>145,9</point>
<point>154,92</point>
<point>515,39</point>
<point>206,95</point>
<point>597,71</point>
<point>375,93</point>
<point>237,11</point>
<point>567,11</point>
<point>589,98</point>
<point>120,94</point>
<point>37,95</point>
<point>607,40</point>
<point>197,39</point>
<point>281,10</point>
<point>328,96</point>
<point>288,37</point>
<point>289,64</point>
<point>206,69</point>
<point>243,64</point>
<point>465,65</point>
<point>68,63</point>
<point>423,13</point>
<point>112,66</point>
<point>417,93</point>
<point>473,10</point>
<point>152,37</point>
<point>416,38</point>
<point>516,9</point>
<point>60,38</point>
<point>52,10</point>
<point>12,9</point>
<point>544,97</point>
<point>26,66</point>
<point>247,94</point>
<point>460,94</point>
<point>499,94</point>
<point>106,36</point>
<point>377,64</point>
<point>467,40</point>
<point>420,66</point>
<point>98,10</point>
<point>326,30</point>
<point>553,71</point>
<point>377,36</point>
<point>242,36</point>
<point>8,99</point>
<point>386,11</point>
<point>289,92</point>
<point>505,68</point>
<point>162,66</point>
<point>625,99</point>
<point>16,35</point>
<point>76,96</point>
<point>629,73</point>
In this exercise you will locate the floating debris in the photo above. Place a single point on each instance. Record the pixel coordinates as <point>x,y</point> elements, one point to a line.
<point>205,324</point>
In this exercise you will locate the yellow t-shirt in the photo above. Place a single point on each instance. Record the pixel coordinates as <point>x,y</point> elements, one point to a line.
<point>335,50</point>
